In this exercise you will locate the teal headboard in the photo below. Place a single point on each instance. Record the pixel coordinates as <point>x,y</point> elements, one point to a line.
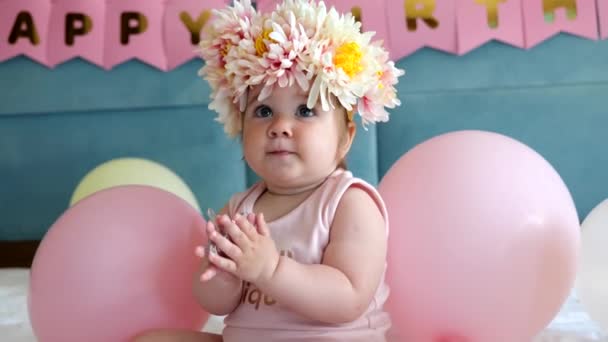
<point>56,125</point>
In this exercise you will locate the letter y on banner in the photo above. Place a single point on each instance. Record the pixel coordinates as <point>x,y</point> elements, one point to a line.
<point>184,23</point>
<point>24,26</point>
<point>134,30</point>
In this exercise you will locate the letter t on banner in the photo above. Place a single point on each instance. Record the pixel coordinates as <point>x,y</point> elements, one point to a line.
<point>545,18</point>
<point>134,30</point>
<point>482,20</point>
<point>183,26</point>
<point>24,25</point>
<point>414,24</point>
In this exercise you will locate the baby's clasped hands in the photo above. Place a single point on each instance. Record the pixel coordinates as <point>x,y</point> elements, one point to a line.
<point>251,254</point>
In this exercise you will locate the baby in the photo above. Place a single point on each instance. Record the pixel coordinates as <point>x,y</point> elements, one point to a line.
<point>308,261</point>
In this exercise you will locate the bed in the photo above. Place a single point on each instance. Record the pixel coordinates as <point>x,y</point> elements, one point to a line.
<point>572,324</point>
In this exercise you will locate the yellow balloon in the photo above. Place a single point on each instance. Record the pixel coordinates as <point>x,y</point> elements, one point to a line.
<point>132,171</point>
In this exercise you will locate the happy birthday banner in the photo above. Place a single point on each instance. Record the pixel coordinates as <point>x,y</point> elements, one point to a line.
<point>165,33</point>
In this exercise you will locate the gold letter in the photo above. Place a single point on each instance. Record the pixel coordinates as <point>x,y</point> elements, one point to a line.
<point>492,10</point>
<point>195,27</point>
<point>549,7</point>
<point>29,31</point>
<point>356,12</point>
<point>126,30</point>
<point>71,31</point>
<point>422,9</point>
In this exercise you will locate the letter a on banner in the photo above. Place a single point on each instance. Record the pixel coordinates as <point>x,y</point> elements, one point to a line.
<point>414,24</point>
<point>545,18</point>
<point>24,26</point>
<point>184,23</point>
<point>134,30</point>
<point>480,21</point>
<point>82,26</point>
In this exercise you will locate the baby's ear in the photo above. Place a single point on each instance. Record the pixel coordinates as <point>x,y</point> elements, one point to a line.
<point>349,137</point>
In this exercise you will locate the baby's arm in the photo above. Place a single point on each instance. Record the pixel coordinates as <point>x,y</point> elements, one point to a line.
<point>219,295</point>
<point>341,288</point>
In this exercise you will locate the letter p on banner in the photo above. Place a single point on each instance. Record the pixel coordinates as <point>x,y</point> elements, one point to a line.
<point>82,26</point>
<point>134,30</point>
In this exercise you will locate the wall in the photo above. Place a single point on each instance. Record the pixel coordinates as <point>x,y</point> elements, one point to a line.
<point>56,125</point>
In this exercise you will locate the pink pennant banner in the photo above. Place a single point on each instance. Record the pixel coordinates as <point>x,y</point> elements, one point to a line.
<point>480,21</point>
<point>134,30</point>
<point>414,24</point>
<point>183,28</point>
<point>266,5</point>
<point>371,14</point>
<point>23,27</point>
<point>546,18</point>
<point>83,24</point>
<point>602,11</point>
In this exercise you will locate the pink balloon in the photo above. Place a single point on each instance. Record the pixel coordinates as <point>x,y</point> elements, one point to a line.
<point>118,262</point>
<point>484,240</point>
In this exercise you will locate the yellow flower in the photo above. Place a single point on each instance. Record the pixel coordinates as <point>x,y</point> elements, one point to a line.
<point>348,58</point>
<point>224,50</point>
<point>260,44</point>
<point>380,73</point>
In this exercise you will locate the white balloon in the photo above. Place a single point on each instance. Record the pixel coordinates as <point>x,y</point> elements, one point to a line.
<point>592,277</point>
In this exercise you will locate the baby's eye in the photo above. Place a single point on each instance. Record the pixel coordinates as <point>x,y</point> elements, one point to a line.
<point>305,112</point>
<point>263,112</point>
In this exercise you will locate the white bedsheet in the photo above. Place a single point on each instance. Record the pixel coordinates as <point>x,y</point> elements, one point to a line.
<point>572,324</point>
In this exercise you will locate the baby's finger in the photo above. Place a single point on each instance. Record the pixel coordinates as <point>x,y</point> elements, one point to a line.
<point>231,227</point>
<point>251,218</point>
<point>209,273</point>
<point>226,246</point>
<point>210,228</point>
<point>261,225</point>
<point>200,251</point>
<point>246,229</point>
<point>223,263</point>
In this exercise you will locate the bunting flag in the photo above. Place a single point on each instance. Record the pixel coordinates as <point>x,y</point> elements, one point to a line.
<point>414,24</point>
<point>602,11</point>
<point>83,24</point>
<point>480,21</point>
<point>134,30</point>
<point>24,27</point>
<point>165,34</point>
<point>183,26</point>
<point>545,18</point>
<point>371,14</point>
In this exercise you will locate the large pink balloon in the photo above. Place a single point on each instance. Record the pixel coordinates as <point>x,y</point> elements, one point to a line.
<point>484,240</point>
<point>119,262</point>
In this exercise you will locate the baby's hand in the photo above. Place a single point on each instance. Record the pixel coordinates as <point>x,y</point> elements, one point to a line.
<point>210,270</point>
<point>252,254</point>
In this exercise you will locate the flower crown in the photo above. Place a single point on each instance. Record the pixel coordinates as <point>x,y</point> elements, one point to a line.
<point>301,42</point>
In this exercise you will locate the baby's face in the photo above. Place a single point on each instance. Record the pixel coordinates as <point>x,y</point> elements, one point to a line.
<point>287,144</point>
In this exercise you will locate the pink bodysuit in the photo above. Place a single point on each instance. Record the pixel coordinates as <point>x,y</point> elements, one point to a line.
<point>303,234</point>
